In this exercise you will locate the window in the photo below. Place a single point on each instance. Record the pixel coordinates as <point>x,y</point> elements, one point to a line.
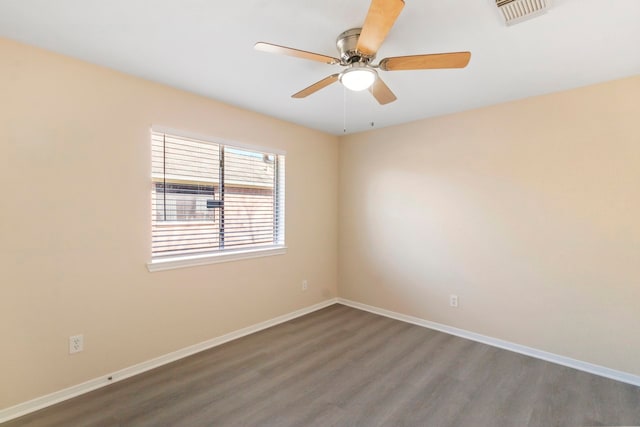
<point>211,199</point>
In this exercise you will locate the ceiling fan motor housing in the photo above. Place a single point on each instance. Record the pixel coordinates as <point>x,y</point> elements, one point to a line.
<point>346,43</point>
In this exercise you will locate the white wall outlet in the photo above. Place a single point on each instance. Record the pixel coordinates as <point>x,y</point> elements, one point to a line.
<point>76,343</point>
<point>305,285</point>
<point>453,300</point>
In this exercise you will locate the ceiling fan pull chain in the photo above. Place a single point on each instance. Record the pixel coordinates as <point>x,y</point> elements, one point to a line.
<point>344,110</point>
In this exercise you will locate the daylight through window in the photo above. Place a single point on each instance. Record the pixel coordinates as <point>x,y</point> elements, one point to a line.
<point>211,198</point>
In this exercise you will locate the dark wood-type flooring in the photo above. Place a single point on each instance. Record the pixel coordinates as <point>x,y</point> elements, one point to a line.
<point>344,367</point>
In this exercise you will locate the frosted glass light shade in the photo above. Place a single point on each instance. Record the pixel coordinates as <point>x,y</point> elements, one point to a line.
<point>358,78</point>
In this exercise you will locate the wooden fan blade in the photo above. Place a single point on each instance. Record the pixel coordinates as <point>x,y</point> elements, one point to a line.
<point>426,62</point>
<point>381,92</point>
<point>283,50</point>
<point>316,86</point>
<point>380,18</point>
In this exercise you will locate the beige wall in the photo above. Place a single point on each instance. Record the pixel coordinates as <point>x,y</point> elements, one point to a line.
<point>75,224</point>
<point>529,211</point>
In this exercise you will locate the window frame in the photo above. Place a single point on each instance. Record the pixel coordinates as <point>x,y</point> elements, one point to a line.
<point>181,261</point>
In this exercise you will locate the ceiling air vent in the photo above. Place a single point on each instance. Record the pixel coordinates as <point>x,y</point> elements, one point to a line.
<point>515,11</point>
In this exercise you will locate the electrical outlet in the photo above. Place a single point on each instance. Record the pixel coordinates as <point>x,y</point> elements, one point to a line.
<point>305,285</point>
<point>76,344</point>
<point>453,301</point>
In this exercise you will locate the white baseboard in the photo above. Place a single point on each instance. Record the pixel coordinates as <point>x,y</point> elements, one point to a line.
<point>495,342</point>
<point>76,390</point>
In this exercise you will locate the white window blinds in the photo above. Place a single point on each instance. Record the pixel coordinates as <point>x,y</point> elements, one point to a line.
<point>208,197</point>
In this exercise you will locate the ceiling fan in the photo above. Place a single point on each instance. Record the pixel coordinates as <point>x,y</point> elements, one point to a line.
<point>358,48</point>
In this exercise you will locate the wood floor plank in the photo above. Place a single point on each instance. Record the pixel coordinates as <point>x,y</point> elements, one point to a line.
<point>341,366</point>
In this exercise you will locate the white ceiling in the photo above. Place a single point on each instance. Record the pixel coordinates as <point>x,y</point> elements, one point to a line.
<point>206,47</point>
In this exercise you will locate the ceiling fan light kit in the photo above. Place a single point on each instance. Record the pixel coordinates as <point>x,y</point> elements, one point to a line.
<point>358,47</point>
<point>358,77</point>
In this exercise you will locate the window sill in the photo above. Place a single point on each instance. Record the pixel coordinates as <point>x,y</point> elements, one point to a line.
<point>192,261</point>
